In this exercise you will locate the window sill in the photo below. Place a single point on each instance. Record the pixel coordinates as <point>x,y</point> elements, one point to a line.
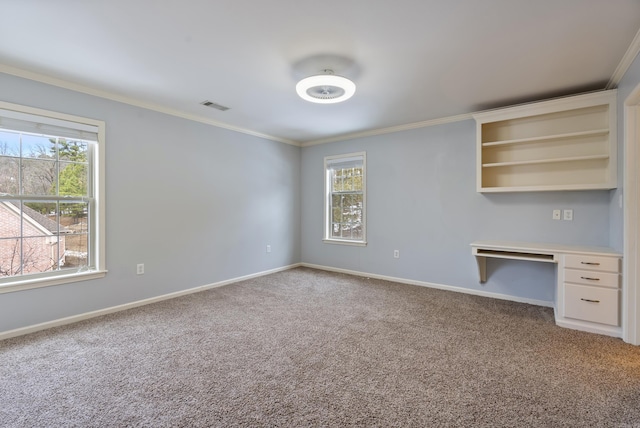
<point>29,284</point>
<point>345,242</point>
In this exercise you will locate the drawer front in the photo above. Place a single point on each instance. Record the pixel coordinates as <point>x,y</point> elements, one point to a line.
<point>592,277</point>
<point>578,261</point>
<point>591,304</point>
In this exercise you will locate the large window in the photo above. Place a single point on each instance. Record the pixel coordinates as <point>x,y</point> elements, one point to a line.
<point>345,199</point>
<point>51,198</point>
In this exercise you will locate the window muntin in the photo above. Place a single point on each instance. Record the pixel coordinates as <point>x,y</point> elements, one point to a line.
<point>51,198</point>
<point>345,199</point>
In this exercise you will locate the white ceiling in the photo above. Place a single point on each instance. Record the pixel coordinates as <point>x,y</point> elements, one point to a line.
<point>412,60</point>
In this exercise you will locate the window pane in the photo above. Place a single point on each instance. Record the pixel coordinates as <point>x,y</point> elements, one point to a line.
<point>337,215</point>
<point>39,254</point>
<point>10,242</point>
<point>38,177</point>
<point>9,220</point>
<point>9,162</point>
<point>74,241</point>
<point>348,179</point>
<point>356,231</point>
<point>71,150</point>
<point>38,147</point>
<point>9,175</point>
<point>39,219</point>
<point>357,179</point>
<point>10,254</point>
<point>336,201</point>
<point>336,181</point>
<point>73,179</point>
<point>9,143</point>
<point>335,230</point>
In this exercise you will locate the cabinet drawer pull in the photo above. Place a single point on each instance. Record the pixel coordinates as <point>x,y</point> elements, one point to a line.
<point>590,263</point>
<point>589,300</point>
<point>590,279</point>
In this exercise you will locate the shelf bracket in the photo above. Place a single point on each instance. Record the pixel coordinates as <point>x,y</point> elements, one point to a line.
<point>482,268</point>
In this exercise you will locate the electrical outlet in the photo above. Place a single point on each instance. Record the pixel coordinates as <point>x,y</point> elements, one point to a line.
<point>568,215</point>
<point>396,254</point>
<point>556,214</point>
<point>140,269</point>
<point>268,248</point>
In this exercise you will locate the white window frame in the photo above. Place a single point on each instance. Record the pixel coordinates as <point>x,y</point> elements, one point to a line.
<point>328,160</point>
<point>97,231</point>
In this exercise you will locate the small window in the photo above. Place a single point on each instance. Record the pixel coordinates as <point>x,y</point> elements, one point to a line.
<point>345,199</point>
<point>51,198</point>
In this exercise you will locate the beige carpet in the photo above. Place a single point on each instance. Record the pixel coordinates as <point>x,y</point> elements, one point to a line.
<point>312,348</point>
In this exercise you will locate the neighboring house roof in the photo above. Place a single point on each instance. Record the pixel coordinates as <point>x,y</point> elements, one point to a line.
<point>45,223</point>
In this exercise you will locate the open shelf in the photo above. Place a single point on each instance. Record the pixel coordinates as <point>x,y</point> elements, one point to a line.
<point>564,144</point>
<point>596,132</point>
<point>541,161</point>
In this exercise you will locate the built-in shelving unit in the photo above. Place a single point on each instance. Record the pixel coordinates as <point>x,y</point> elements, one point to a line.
<point>562,144</point>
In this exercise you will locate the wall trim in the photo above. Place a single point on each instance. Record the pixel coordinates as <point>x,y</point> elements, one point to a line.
<point>93,314</point>
<point>434,285</point>
<point>631,225</point>
<point>135,102</point>
<point>625,63</point>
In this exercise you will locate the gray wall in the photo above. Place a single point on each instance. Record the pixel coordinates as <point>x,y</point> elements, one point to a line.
<point>421,200</point>
<point>195,203</point>
<point>628,83</point>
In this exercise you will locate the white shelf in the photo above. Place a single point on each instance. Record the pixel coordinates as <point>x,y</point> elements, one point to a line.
<point>564,144</point>
<point>541,161</point>
<point>596,132</point>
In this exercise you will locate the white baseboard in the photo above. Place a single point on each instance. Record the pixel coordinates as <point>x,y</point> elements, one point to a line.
<point>434,285</point>
<point>589,327</point>
<point>80,317</point>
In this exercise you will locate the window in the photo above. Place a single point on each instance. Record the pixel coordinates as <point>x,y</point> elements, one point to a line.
<point>51,198</point>
<point>345,199</point>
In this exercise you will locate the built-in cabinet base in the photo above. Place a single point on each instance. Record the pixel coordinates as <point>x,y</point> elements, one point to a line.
<point>588,294</point>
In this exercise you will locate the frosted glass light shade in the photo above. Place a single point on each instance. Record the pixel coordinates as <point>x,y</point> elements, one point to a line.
<point>325,89</point>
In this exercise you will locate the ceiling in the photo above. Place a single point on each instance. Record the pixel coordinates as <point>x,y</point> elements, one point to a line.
<point>412,60</point>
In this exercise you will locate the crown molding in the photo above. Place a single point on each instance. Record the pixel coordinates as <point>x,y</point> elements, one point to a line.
<point>389,130</point>
<point>625,63</point>
<point>6,69</point>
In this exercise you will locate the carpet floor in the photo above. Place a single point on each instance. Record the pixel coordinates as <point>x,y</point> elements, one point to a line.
<point>312,348</point>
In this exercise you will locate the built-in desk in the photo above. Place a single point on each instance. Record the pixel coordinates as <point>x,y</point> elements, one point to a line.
<point>588,285</point>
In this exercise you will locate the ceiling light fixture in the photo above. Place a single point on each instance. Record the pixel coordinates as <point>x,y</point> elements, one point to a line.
<point>326,88</point>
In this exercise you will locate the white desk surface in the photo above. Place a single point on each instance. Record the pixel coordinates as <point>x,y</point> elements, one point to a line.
<point>544,248</point>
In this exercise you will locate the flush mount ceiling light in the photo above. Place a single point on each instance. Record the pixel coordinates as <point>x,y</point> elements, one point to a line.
<point>326,88</point>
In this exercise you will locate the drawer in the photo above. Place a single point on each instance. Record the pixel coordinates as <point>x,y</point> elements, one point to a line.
<point>578,261</point>
<point>593,304</point>
<point>592,277</point>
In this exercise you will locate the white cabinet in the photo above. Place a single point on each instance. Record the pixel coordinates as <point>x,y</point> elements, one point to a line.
<point>592,304</point>
<point>588,284</point>
<point>563,144</point>
<point>588,293</point>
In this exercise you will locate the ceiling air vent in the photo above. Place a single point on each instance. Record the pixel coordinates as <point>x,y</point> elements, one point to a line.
<point>214,105</point>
